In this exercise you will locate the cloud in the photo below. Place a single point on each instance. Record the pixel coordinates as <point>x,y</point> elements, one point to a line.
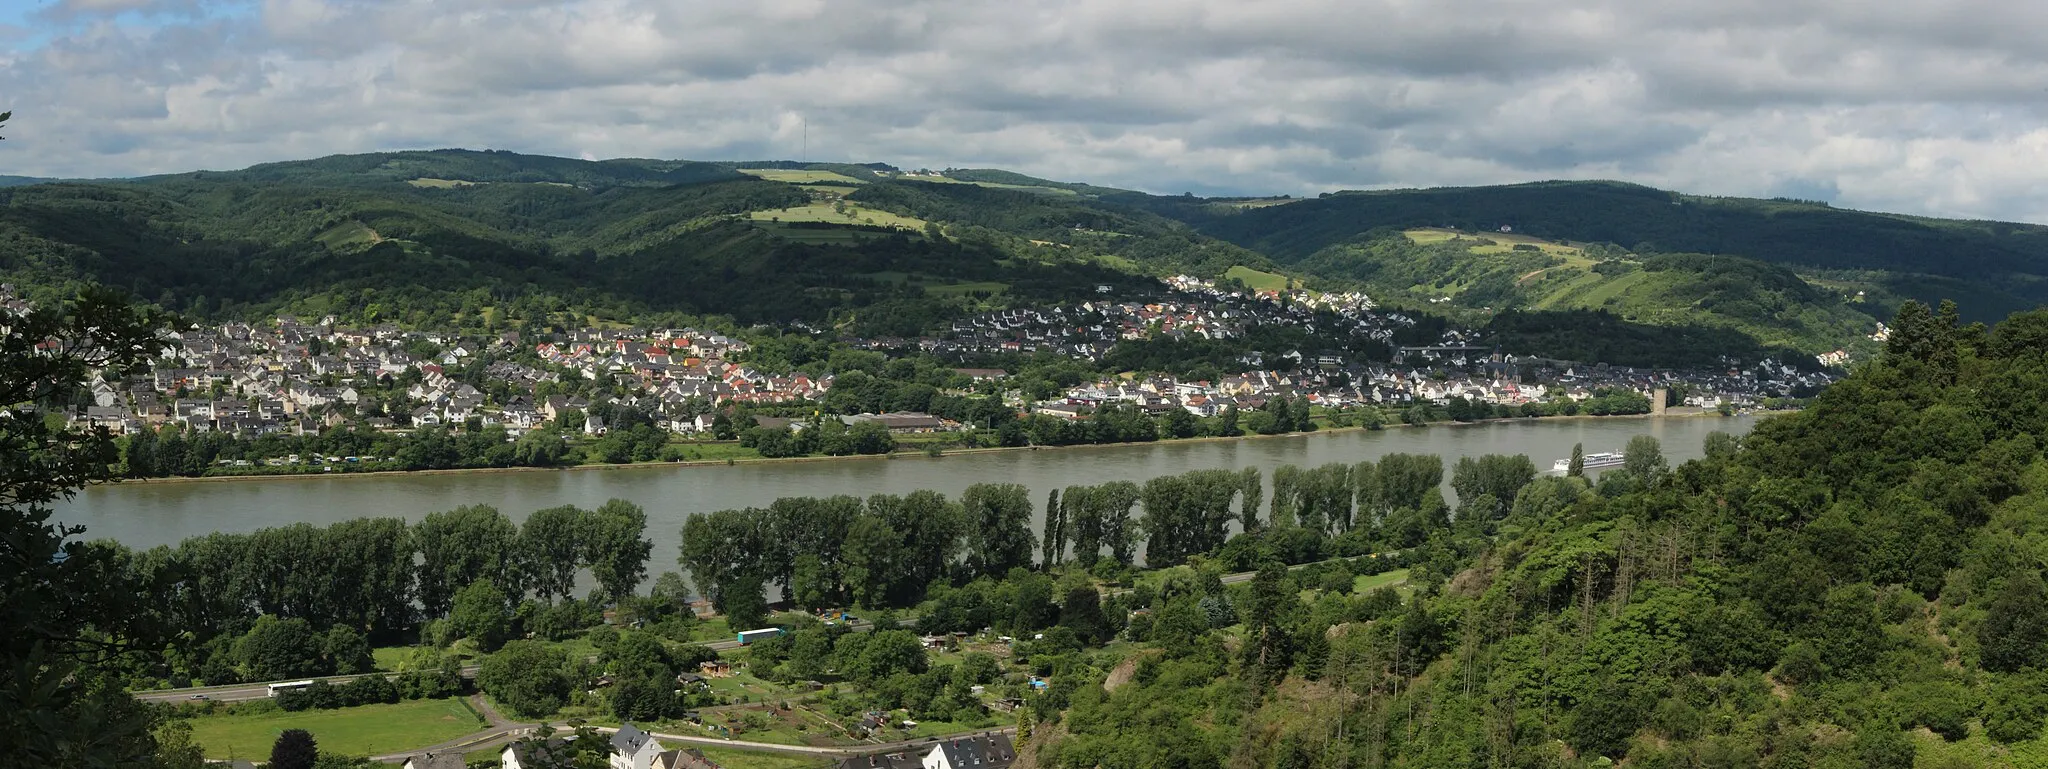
<point>1934,107</point>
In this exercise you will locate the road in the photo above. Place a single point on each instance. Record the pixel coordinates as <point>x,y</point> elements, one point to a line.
<point>257,691</point>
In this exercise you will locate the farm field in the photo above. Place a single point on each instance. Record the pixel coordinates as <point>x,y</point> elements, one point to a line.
<point>799,176</point>
<point>1258,280</point>
<point>823,212</point>
<point>1502,242</point>
<point>364,730</point>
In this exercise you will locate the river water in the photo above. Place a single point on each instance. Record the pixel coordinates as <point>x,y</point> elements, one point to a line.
<point>145,515</point>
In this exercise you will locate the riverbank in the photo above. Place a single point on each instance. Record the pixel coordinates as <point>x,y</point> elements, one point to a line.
<point>900,454</point>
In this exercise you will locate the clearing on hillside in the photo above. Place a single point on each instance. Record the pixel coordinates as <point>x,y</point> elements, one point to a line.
<point>847,214</point>
<point>440,184</point>
<point>1258,280</point>
<point>799,176</point>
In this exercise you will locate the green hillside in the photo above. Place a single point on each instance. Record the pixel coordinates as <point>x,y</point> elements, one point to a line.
<point>355,235</point>
<point>445,235</point>
<point>1855,585</point>
<point>1481,274</point>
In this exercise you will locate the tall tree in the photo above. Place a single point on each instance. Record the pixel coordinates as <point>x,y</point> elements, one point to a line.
<point>294,749</point>
<point>482,614</point>
<point>723,548</point>
<point>551,549</point>
<point>1254,495</point>
<point>68,610</point>
<point>1052,545</point>
<point>615,545</point>
<point>459,547</point>
<point>1643,459</point>
<point>1577,467</point>
<point>999,534</point>
<point>373,577</point>
<point>1405,478</point>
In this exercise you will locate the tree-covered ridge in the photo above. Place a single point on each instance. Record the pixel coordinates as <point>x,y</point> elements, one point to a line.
<point>1995,258</point>
<point>468,166</point>
<point>432,256</point>
<point>1816,596</point>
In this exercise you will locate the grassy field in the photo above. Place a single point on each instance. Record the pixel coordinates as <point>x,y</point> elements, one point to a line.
<point>366,730</point>
<point>440,184</point>
<point>823,212</point>
<point>390,657</point>
<point>796,176</point>
<point>697,451</point>
<point>745,759</point>
<point>1258,280</point>
<point>1367,583</point>
<point>1503,242</point>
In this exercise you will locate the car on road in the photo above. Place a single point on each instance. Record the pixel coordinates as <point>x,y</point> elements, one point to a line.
<point>197,697</point>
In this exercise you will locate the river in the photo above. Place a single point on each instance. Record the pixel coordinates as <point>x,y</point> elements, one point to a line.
<point>144,515</point>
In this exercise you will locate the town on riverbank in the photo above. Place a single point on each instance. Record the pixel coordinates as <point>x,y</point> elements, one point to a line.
<point>294,396</point>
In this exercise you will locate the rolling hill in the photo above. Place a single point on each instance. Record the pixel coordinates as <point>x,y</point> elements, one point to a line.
<point>470,237</point>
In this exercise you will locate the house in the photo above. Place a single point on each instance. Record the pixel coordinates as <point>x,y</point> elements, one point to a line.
<point>715,669</point>
<point>436,761</point>
<point>529,755</point>
<point>633,749</point>
<point>989,751</point>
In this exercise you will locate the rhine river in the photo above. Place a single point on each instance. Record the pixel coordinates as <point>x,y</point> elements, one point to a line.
<point>145,515</point>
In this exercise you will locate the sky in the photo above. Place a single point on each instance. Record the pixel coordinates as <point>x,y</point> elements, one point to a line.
<point>1919,106</point>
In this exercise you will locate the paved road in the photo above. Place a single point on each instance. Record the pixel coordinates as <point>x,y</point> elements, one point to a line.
<point>257,691</point>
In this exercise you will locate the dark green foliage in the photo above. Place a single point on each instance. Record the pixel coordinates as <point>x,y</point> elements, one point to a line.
<point>294,749</point>
<point>998,527</point>
<point>482,615</point>
<point>528,678</point>
<point>2014,635</point>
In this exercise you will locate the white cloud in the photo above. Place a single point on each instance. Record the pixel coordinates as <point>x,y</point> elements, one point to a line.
<point>1929,107</point>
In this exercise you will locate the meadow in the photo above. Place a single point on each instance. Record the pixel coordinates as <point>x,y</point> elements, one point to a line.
<point>364,730</point>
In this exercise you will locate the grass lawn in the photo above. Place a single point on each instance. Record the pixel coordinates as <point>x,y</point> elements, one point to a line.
<point>824,212</point>
<point>747,759</point>
<point>799,176</point>
<point>697,451</point>
<point>390,657</point>
<point>943,728</point>
<point>1256,279</point>
<point>439,184</point>
<point>1367,583</point>
<point>366,730</point>
<point>742,684</point>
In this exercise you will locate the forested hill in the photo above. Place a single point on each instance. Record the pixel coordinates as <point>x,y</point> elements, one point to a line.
<point>1991,267</point>
<point>1856,585</point>
<point>487,240</point>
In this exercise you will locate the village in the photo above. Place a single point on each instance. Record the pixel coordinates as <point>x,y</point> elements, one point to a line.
<point>301,377</point>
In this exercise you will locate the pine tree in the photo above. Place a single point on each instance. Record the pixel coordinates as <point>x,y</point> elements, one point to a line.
<point>294,749</point>
<point>1578,465</point>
